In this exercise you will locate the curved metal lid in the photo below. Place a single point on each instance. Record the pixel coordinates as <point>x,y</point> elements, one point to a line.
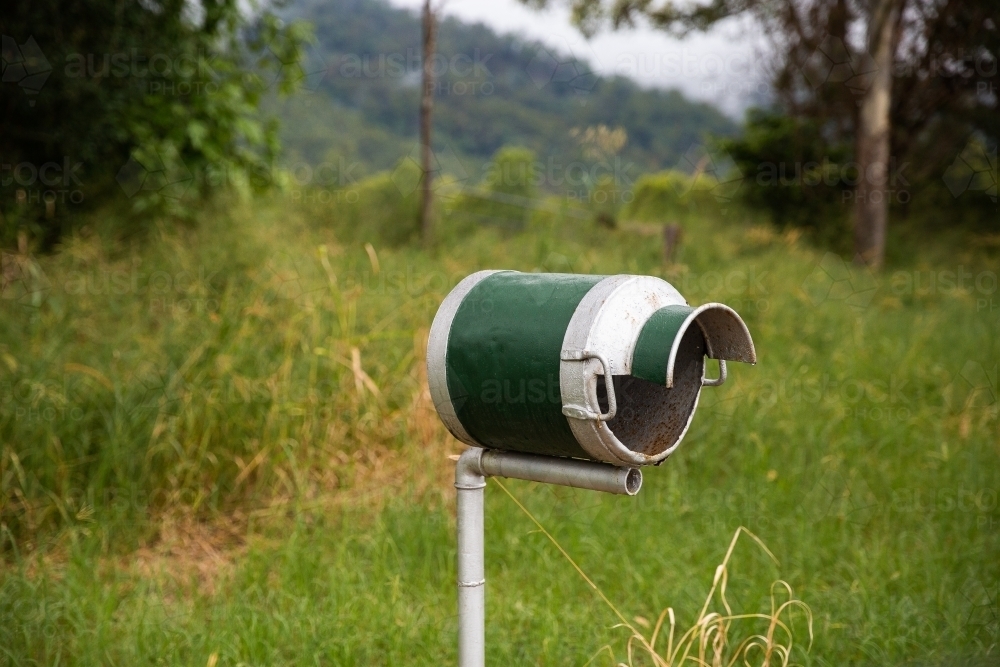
<point>726,338</point>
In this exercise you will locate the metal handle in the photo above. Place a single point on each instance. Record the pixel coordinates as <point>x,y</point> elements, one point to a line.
<point>715,382</point>
<point>578,412</point>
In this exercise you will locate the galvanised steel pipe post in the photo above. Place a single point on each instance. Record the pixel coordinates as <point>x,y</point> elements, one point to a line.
<point>469,482</point>
<point>474,465</point>
<point>565,379</point>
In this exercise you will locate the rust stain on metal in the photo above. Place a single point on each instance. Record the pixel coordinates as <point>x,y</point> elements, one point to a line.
<point>652,418</point>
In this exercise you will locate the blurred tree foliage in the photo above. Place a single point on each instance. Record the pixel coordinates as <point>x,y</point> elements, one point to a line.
<point>491,91</point>
<point>800,156</point>
<point>512,172</point>
<point>795,172</point>
<point>943,111</point>
<point>381,209</point>
<point>604,192</point>
<point>154,99</point>
<point>663,197</point>
<point>512,184</point>
<point>507,194</point>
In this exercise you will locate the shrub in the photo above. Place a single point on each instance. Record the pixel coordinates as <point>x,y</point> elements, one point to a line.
<point>792,171</point>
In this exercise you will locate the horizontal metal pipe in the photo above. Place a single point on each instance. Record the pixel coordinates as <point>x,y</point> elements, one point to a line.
<point>473,466</point>
<point>565,472</point>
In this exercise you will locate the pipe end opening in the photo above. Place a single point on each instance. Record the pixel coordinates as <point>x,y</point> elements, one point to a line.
<point>633,481</point>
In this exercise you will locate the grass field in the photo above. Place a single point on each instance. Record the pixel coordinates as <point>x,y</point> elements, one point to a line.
<point>216,448</point>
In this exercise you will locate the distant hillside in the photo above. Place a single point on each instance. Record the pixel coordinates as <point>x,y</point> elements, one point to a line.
<point>363,88</point>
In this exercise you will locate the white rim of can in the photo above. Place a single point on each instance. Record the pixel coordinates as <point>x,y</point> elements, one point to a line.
<point>733,343</point>
<point>437,353</point>
<point>609,319</point>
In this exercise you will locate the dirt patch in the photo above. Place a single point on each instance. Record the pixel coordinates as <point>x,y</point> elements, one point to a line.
<point>190,552</point>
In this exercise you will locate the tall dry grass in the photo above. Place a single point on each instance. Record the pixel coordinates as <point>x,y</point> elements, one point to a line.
<point>222,369</point>
<point>719,637</point>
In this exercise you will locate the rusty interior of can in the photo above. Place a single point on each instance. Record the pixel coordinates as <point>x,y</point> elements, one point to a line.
<point>651,418</point>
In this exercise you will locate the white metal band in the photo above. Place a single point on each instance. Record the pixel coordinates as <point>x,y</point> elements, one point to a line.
<point>609,318</point>
<point>437,353</point>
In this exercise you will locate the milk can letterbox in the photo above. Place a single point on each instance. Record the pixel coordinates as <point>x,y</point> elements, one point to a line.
<point>607,368</point>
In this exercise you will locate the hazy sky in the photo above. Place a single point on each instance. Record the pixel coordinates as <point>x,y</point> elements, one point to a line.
<point>722,67</point>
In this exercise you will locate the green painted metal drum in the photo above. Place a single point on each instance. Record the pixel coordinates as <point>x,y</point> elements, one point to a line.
<point>607,368</point>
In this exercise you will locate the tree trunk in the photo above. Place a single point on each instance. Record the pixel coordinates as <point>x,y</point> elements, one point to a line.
<point>874,131</point>
<point>672,235</point>
<point>426,111</point>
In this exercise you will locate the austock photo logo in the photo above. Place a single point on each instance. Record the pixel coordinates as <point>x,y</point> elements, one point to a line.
<point>844,495</point>
<point>973,397</point>
<point>284,278</point>
<point>734,74</point>
<point>49,182</point>
<point>975,387</point>
<point>836,280</point>
<point>162,74</point>
<point>22,280</point>
<point>458,74</point>
<point>563,64</point>
<point>409,173</point>
<point>176,292</point>
<point>742,290</point>
<point>722,406</point>
<point>157,390</point>
<point>834,62</point>
<point>147,172</point>
<point>576,180</point>
<point>848,496</point>
<point>974,170</point>
<point>79,390</point>
<point>328,182</point>
<point>889,180</point>
<point>25,65</point>
<point>981,602</point>
<point>833,279</point>
<point>713,170</point>
<point>556,263</point>
<point>307,73</point>
<point>52,399</point>
<point>851,397</point>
